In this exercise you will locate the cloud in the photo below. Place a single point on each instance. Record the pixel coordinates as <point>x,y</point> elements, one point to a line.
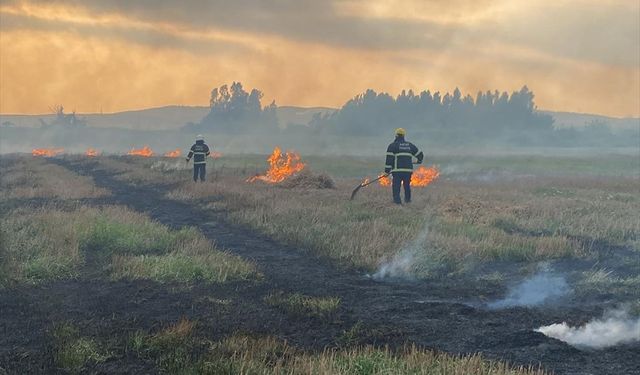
<point>575,56</point>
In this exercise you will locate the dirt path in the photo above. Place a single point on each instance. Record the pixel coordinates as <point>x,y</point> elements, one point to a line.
<point>438,315</point>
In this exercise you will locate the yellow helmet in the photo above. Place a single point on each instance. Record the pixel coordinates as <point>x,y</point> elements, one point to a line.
<point>401,131</point>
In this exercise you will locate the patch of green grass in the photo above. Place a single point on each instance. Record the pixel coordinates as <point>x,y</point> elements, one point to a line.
<point>50,268</point>
<point>39,245</point>
<point>297,304</point>
<point>212,267</point>
<point>50,244</point>
<point>73,352</point>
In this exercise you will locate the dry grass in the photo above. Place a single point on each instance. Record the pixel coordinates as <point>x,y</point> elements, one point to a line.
<point>299,305</point>
<point>135,170</point>
<point>49,243</point>
<point>531,220</point>
<point>32,177</point>
<point>40,245</point>
<point>526,219</point>
<point>241,354</point>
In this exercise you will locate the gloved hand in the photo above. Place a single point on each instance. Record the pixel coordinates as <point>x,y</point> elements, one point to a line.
<point>387,170</point>
<point>187,161</point>
<point>419,162</point>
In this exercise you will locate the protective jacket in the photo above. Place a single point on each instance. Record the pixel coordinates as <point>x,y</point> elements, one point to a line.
<point>199,151</point>
<point>399,156</point>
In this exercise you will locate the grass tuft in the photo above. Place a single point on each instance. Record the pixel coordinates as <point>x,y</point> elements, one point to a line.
<point>297,304</point>
<point>73,352</point>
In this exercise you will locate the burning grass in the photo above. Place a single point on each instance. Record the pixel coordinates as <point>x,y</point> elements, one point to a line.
<point>469,222</point>
<point>281,167</point>
<point>50,244</point>
<point>28,177</point>
<point>145,151</point>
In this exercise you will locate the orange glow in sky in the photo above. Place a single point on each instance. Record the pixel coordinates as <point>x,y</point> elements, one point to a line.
<point>92,56</point>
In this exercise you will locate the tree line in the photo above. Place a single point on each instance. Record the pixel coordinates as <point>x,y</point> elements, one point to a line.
<point>449,118</point>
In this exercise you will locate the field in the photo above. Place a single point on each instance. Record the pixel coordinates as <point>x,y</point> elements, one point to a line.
<point>123,264</point>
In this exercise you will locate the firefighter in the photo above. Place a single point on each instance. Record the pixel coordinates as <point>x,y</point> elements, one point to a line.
<point>400,164</point>
<point>199,151</point>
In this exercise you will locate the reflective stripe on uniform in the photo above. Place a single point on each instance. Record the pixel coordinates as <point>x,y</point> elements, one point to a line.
<point>199,162</point>
<point>404,154</point>
<point>401,170</point>
<point>390,154</point>
<point>199,153</point>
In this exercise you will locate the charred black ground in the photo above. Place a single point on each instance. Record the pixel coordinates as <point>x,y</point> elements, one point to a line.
<point>442,315</point>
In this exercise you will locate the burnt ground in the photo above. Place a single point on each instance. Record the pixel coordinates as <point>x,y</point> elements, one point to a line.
<point>444,315</point>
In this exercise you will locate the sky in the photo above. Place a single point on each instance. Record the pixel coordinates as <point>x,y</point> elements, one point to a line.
<point>108,56</point>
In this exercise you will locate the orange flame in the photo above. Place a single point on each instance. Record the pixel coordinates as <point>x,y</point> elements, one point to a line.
<point>145,151</point>
<point>420,177</point>
<point>281,166</point>
<point>46,152</point>
<point>173,154</point>
<point>91,152</point>
<point>216,155</point>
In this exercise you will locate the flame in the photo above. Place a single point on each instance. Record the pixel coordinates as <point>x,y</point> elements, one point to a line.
<point>421,177</point>
<point>424,176</point>
<point>281,166</point>
<point>173,154</point>
<point>145,151</point>
<point>46,152</point>
<point>91,152</point>
<point>216,155</point>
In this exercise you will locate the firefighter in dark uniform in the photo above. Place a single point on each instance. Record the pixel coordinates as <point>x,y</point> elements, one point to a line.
<point>199,151</point>
<point>400,164</point>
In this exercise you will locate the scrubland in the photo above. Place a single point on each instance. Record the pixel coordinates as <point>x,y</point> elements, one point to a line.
<point>469,218</point>
<point>30,177</point>
<point>478,214</point>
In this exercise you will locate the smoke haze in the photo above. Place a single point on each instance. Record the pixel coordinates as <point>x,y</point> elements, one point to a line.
<point>401,265</point>
<point>539,288</point>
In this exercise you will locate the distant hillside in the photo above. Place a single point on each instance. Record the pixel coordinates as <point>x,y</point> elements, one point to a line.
<point>578,120</point>
<point>162,118</point>
<point>174,117</point>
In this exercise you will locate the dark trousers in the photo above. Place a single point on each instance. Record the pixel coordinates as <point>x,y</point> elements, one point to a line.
<point>401,178</point>
<point>199,170</point>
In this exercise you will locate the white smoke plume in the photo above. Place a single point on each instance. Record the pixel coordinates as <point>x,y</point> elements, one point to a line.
<point>539,288</point>
<point>615,327</point>
<point>400,266</point>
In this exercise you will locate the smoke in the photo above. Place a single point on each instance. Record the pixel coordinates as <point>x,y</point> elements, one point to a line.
<point>539,288</point>
<point>401,265</point>
<point>166,166</point>
<point>615,327</point>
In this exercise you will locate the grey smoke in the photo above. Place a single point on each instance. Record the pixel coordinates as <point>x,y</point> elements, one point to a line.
<point>174,165</point>
<point>615,327</point>
<point>537,289</point>
<point>401,265</point>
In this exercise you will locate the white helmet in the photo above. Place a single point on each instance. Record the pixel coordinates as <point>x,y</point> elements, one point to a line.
<point>199,137</point>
